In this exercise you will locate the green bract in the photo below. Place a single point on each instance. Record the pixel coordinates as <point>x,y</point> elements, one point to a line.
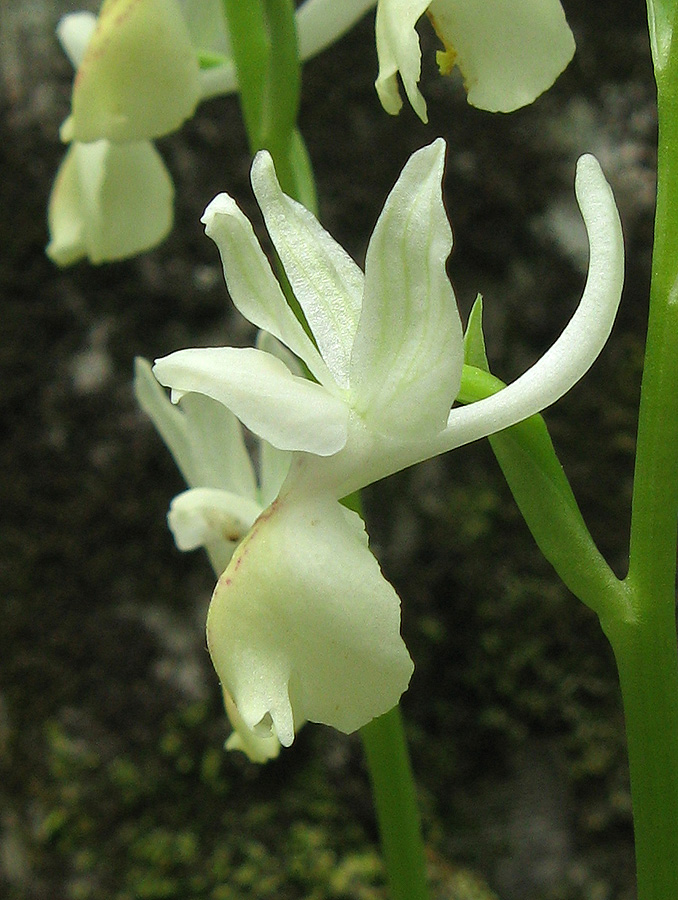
<point>302,624</point>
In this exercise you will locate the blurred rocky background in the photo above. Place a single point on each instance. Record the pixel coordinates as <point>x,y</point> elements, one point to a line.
<point>113,781</point>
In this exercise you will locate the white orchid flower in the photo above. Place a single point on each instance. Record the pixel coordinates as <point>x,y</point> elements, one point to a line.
<point>109,201</point>
<point>138,77</point>
<point>302,624</point>
<point>508,52</point>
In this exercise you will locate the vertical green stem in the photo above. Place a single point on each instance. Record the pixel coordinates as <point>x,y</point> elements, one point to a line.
<point>655,499</point>
<point>396,802</point>
<point>264,41</point>
<point>251,48</point>
<point>646,657</point>
<point>645,644</point>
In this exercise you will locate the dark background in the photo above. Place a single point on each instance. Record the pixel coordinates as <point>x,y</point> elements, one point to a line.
<point>113,783</point>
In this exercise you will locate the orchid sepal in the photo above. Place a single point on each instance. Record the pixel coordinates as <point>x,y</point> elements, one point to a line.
<point>109,202</point>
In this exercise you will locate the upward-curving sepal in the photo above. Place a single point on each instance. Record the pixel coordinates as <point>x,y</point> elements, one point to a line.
<point>327,283</point>
<point>407,356</point>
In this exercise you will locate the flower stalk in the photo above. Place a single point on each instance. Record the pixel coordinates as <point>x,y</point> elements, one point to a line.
<point>645,644</point>
<point>396,802</point>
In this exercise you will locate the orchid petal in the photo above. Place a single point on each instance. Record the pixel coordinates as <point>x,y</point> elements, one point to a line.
<point>327,283</point>
<point>252,285</point>
<point>274,464</point>
<point>302,623</point>
<point>408,354</point>
<point>202,515</point>
<point>139,77</point>
<point>322,22</point>
<point>219,446</point>
<point>399,51</point>
<point>74,32</point>
<point>258,748</point>
<point>203,436</point>
<point>509,53</point>
<point>577,348</point>
<point>291,413</point>
<point>109,201</point>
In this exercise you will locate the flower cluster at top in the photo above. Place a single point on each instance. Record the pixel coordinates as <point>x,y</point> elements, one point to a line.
<point>143,66</point>
<point>302,624</point>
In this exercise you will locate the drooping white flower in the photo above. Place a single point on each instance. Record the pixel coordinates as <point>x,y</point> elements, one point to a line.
<point>302,624</point>
<point>508,52</point>
<point>109,200</point>
<point>138,77</point>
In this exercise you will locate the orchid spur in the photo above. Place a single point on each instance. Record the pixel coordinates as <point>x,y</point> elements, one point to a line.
<point>302,624</point>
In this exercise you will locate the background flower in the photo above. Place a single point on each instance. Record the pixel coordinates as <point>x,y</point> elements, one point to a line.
<point>508,53</point>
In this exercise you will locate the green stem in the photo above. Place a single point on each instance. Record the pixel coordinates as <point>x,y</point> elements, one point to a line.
<point>251,47</point>
<point>655,499</point>
<point>646,658</point>
<point>396,802</point>
<point>264,41</point>
<point>645,643</point>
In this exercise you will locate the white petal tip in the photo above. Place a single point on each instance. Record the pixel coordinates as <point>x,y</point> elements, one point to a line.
<point>262,160</point>
<point>588,167</point>
<point>263,175</point>
<point>222,205</point>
